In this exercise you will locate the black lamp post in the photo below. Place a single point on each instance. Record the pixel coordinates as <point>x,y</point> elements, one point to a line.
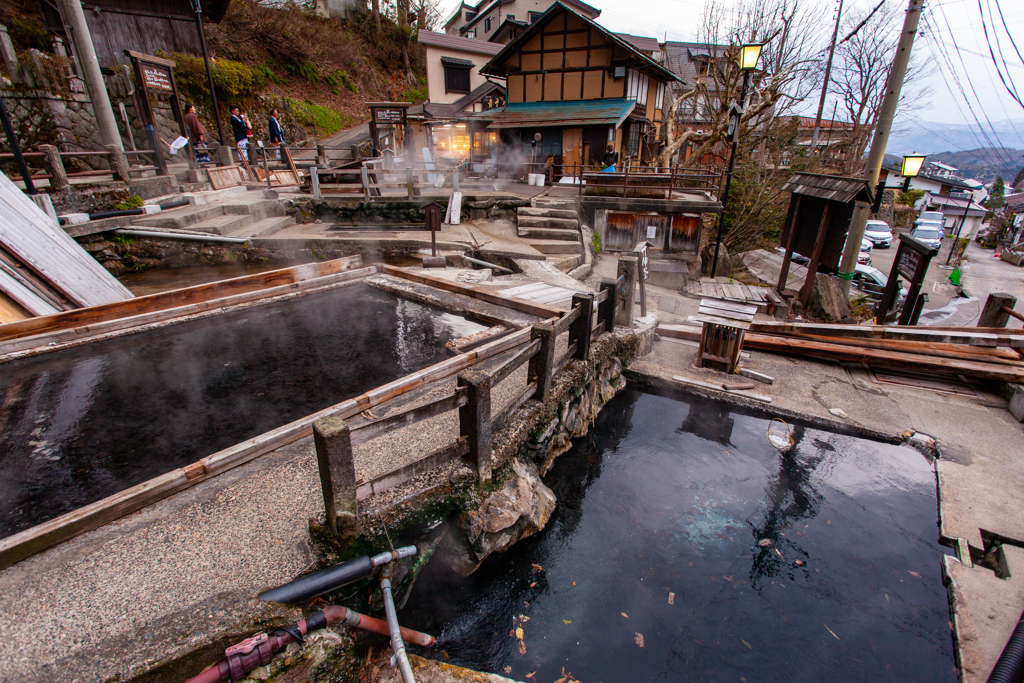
<point>16,149</point>
<point>749,54</point>
<point>197,8</point>
<point>910,169</point>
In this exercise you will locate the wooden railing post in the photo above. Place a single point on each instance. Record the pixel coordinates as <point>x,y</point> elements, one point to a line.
<point>606,309</point>
<point>365,175</point>
<point>119,162</point>
<point>542,364</point>
<point>55,165</point>
<point>579,329</point>
<point>336,462</point>
<point>475,421</point>
<point>408,181</point>
<point>314,181</point>
<point>628,266</point>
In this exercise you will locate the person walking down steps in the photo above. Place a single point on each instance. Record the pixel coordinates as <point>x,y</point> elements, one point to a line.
<point>240,129</point>
<point>276,132</point>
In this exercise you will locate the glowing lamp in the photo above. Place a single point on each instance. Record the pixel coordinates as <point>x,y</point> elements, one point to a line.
<point>912,164</point>
<point>749,54</point>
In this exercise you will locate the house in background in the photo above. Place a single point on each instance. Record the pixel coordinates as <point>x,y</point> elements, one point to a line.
<point>578,86</point>
<point>503,20</point>
<point>929,182</point>
<point>953,211</point>
<point>692,62</point>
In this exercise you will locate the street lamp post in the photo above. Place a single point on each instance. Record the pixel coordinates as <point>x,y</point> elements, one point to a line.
<point>749,54</point>
<point>910,168</point>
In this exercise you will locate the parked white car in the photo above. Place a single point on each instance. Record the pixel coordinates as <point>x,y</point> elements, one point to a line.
<point>879,233</point>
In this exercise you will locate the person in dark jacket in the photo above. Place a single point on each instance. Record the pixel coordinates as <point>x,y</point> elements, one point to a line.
<point>240,128</point>
<point>276,132</point>
<point>611,158</point>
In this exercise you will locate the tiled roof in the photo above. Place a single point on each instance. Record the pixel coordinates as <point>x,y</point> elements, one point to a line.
<point>444,40</point>
<point>641,43</point>
<point>833,188</point>
<point>679,57</point>
<point>565,113</point>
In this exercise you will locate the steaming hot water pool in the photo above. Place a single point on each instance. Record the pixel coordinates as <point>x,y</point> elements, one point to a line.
<point>80,424</point>
<point>685,547</point>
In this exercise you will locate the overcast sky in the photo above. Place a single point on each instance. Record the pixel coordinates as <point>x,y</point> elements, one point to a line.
<point>956,22</point>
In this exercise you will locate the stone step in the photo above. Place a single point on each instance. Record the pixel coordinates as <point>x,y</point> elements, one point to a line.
<point>262,228</point>
<point>225,224</point>
<point>560,247</point>
<point>546,203</point>
<point>185,217</point>
<point>566,263</point>
<point>550,234</point>
<point>258,209</point>
<point>545,212</point>
<point>538,222</point>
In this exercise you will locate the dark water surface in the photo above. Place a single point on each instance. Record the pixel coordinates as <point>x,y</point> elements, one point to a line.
<point>81,424</point>
<point>673,495</point>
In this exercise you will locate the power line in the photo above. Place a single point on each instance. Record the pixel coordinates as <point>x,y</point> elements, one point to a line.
<point>984,26</point>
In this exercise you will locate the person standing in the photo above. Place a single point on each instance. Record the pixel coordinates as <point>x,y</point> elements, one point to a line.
<point>611,158</point>
<point>276,132</point>
<point>240,129</point>
<point>196,132</point>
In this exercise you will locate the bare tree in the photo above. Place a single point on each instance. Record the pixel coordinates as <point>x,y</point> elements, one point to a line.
<point>375,6</point>
<point>859,73</point>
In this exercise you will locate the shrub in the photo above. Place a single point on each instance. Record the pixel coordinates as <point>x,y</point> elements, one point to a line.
<point>133,202</point>
<point>324,121</point>
<point>232,79</point>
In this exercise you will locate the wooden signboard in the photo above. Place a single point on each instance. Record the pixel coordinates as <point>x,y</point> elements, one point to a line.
<point>157,77</point>
<point>912,260</point>
<point>390,115</point>
<point>154,74</point>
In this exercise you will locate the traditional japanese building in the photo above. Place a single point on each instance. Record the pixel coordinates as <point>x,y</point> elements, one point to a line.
<point>578,86</point>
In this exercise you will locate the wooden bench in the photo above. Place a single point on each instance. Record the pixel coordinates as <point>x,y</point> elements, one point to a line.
<point>721,339</point>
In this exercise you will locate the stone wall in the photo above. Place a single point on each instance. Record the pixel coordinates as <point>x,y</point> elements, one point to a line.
<point>126,253</point>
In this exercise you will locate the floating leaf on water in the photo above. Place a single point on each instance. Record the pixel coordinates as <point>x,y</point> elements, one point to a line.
<point>519,632</point>
<point>531,674</point>
<point>639,639</point>
<point>887,597</point>
<point>746,643</point>
<point>507,669</point>
<point>671,598</point>
<point>522,648</point>
<point>778,553</point>
<point>727,577</point>
<point>574,583</point>
<point>914,574</point>
<point>799,563</point>
<point>523,618</point>
<point>765,543</point>
<point>536,567</point>
<point>533,584</point>
<point>830,631</point>
<point>566,621</point>
<point>624,614</point>
<point>828,521</point>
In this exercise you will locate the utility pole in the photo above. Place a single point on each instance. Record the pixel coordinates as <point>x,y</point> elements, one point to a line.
<point>886,113</point>
<point>74,16</point>
<point>828,75</point>
<point>206,60</point>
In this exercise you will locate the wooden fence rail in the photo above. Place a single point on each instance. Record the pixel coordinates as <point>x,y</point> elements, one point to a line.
<point>336,438</point>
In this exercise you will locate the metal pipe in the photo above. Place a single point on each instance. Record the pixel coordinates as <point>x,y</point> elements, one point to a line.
<point>16,148</point>
<point>396,635</point>
<point>181,236</point>
<point>1009,667</point>
<point>489,265</point>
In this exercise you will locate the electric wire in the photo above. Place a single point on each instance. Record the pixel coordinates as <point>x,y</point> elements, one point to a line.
<point>988,42</point>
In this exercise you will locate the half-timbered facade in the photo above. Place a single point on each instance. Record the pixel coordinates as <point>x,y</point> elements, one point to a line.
<point>579,86</point>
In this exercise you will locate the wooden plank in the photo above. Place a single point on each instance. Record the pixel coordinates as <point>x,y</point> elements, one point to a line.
<point>38,538</point>
<point>841,352</point>
<point>508,411</point>
<point>31,237</point>
<point>364,431</point>
<point>481,293</point>
<point>564,359</point>
<point>227,176</point>
<point>514,363</point>
<point>943,350</point>
<point>732,306</point>
<point>720,388</point>
<point>727,322</point>
<point>525,289</point>
<point>566,320</point>
<point>957,335</point>
<point>175,298</point>
<point>441,456</point>
<point>728,315</point>
<point>688,332</point>
<point>19,292</point>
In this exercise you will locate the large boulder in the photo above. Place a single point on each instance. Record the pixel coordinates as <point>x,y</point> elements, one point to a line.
<point>724,261</point>
<point>520,508</point>
<point>828,301</point>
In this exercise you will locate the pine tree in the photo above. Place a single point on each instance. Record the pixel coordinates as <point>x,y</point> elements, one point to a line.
<point>999,187</point>
<point>1019,178</point>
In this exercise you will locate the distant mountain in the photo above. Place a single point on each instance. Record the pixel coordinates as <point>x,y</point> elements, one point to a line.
<point>930,137</point>
<point>983,164</point>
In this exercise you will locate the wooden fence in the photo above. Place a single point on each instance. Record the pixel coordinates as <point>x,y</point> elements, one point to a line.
<point>536,347</point>
<point>49,164</point>
<point>648,182</point>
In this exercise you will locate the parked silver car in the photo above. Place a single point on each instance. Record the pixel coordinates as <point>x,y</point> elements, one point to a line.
<point>879,233</point>
<point>928,233</point>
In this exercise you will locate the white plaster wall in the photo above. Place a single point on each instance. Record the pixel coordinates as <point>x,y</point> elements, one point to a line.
<point>435,73</point>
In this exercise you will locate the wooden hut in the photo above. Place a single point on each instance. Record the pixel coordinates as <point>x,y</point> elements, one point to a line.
<point>820,210</point>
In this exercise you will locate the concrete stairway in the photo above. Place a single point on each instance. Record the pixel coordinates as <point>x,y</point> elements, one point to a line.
<point>238,216</point>
<point>552,227</point>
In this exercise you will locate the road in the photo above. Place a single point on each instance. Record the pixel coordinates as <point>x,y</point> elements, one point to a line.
<point>981,275</point>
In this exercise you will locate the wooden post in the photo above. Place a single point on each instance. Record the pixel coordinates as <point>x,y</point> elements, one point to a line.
<point>366,183</point>
<point>314,181</point>
<point>119,163</point>
<point>628,272</point>
<point>819,245</point>
<point>475,421</point>
<point>455,180</point>
<point>408,181</point>
<point>579,329</point>
<point>55,165</point>
<point>606,309</point>
<point>993,315</point>
<point>542,364</point>
<point>791,221</point>
<point>336,462</point>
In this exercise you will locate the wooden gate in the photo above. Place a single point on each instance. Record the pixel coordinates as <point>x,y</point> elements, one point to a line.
<point>572,150</point>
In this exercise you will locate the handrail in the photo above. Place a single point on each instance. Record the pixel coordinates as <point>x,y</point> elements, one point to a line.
<point>513,364</point>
